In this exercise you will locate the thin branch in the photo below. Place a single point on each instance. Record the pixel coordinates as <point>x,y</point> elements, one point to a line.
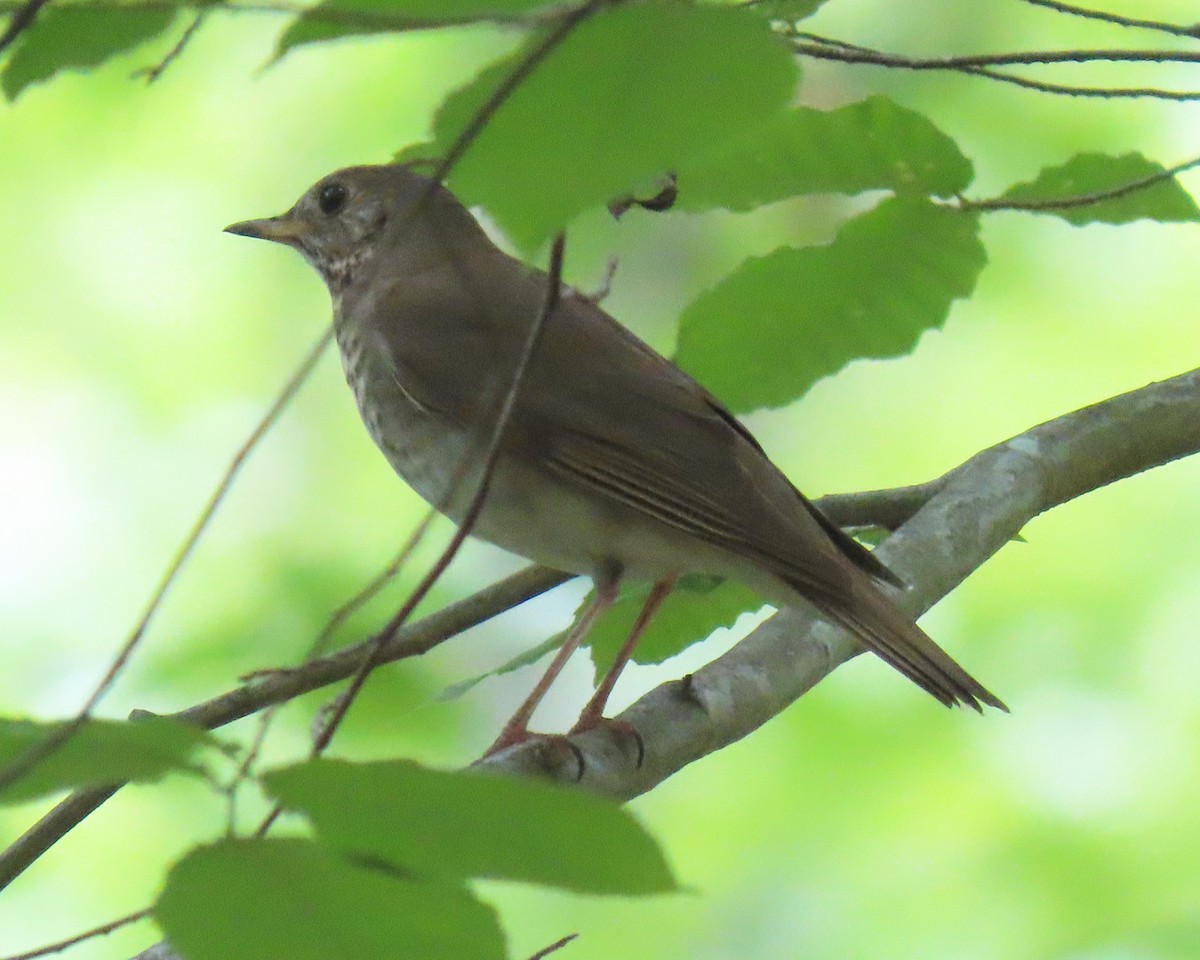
<point>1116,19</point>
<point>284,685</point>
<point>880,58</point>
<point>975,510</point>
<point>1069,90</point>
<point>957,522</point>
<point>878,508</point>
<point>153,73</point>
<point>100,931</point>
<point>491,456</point>
<point>1084,199</point>
<point>337,16</point>
<point>562,29</point>
<point>43,748</point>
<point>1115,439</point>
<point>554,947</point>
<point>1016,58</point>
<point>23,16</point>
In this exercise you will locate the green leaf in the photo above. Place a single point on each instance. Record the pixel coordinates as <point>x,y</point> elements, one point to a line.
<point>78,38</point>
<point>100,751</point>
<point>332,19</point>
<point>253,899</point>
<point>687,616</point>
<point>631,93</point>
<point>466,824</point>
<point>532,655</point>
<point>781,322</point>
<point>1086,173</point>
<point>872,145</point>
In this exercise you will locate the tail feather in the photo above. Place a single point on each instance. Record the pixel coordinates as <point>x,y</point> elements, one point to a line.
<point>892,635</point>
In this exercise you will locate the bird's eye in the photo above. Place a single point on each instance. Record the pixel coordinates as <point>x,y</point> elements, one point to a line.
<point>332,198</point>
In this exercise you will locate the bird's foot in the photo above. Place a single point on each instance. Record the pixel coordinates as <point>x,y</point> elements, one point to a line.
<point>622,728</point>
<point>514,732</point>
<point>553,747</point>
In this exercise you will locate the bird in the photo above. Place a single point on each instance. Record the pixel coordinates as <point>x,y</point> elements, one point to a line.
<point>614,463</point>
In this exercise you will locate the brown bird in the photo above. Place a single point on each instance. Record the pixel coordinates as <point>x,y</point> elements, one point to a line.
<point>615,463</point>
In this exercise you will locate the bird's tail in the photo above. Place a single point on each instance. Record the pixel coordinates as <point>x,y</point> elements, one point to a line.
<point>890,633</point>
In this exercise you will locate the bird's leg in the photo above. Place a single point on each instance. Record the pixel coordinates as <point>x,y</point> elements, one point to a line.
<point>593,712</point>
<point>517,728</point>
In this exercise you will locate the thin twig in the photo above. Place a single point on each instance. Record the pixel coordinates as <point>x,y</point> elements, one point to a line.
<point>23,16</point>
<point>153,73</point>
<point>876,508</point>
<point>554,947</point>
<point>374,655</point>
<point>1015,58</point>
<point>43,748</point>
<point>1117,19</point>
<point>321,643</point>
<point>1069,90</point>
<point>492,455</point>
<point>100,931</point>
<point>1084,199</point>
<point>284,685</point>
<point>880,58</point>
<point>562,29</point>
<point>340,16</point>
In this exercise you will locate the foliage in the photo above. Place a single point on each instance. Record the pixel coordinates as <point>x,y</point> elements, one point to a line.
<point>633,92</point>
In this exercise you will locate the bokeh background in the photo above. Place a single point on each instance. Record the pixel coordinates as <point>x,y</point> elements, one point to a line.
<point>140,344</point>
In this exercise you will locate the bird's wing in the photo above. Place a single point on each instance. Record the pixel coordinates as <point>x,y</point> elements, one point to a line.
<point>601,410</point>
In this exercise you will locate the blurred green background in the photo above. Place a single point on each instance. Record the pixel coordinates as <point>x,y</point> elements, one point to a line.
<point>140,344</point>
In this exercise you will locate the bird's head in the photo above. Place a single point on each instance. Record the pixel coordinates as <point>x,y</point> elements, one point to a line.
<point>344,217</point>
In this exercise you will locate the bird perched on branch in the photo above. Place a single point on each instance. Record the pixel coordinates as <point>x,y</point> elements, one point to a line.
<point>614,463</point>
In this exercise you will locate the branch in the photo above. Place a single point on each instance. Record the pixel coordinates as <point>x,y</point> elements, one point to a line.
<point>23,16</point>
<point>1116,19</point>
<point>1084,199</point>
<point>878,508</point>
<point>1016,58</point>
<point>38,752</point>
<point>283,685</point>
<point>491,455</point>
<point>828,48</point>
<point>365,19</point>
<point>973,511</point>
<point>970,513</point>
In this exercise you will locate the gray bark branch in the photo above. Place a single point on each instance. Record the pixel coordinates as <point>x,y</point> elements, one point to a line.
<point>963,519</point>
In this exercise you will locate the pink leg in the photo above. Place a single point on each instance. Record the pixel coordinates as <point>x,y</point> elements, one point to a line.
<point>593,713</point>
<point>517,728</point>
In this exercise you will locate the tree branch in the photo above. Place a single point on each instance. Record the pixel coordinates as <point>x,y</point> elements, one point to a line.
<point>973,511</point>
<point>1116,19</point>
<point>23,16</point>
<point>1084,199</point>
<point>828,48</point>
<point>954,524</point>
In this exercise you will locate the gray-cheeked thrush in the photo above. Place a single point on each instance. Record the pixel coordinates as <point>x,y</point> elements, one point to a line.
<point>614,464</point>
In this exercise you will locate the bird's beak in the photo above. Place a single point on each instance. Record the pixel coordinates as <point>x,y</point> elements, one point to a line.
<point>282,229</point>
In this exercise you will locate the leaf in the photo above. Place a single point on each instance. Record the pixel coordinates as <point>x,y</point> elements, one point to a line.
<point>100,751</point>
<point>1085,173</point>
<point>250,899</point>
<point>78,38</point>
<point>532,655</point>
<point>781,322</point>
<point>631,93</point>
<point>465,824</point>
<point>687,616</point>
<point>333,19</point>
<point>872,145</point>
